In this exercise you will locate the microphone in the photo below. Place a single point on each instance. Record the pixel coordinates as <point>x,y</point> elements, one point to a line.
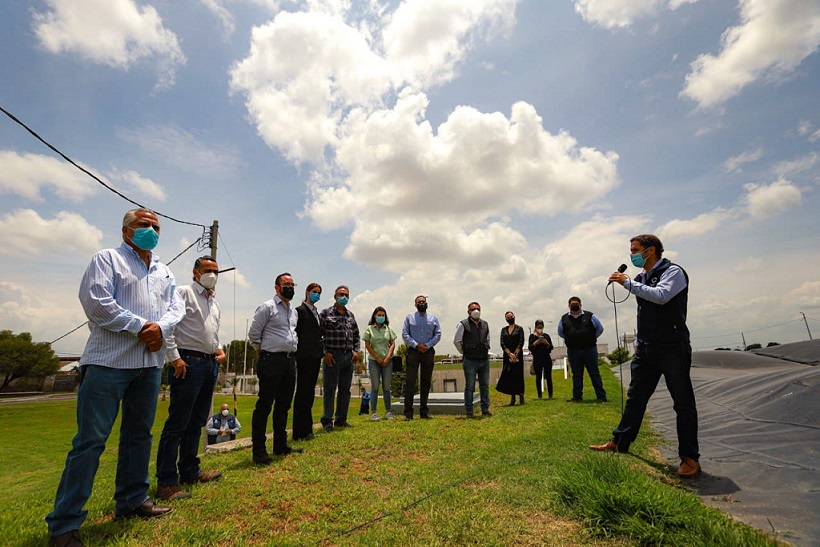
<point>621,269</point>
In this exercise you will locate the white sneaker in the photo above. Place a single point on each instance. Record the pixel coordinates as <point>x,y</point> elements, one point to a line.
<point>388,416</point>
<point>374,417</point>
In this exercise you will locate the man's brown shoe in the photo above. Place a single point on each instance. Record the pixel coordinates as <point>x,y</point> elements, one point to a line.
<point>146,511</point>
<point>608,446</point>
<point>68,539</point>
<point>689,468</point>
<point>171,492</point>
<point>203,476</point>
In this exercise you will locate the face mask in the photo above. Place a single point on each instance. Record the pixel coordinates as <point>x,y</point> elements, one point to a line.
<point>539,331</point>
<point>475,314</point>
<point>342,301</point>
<point>511,320</point>
<point>314,297</point>
<point>208,280</point>
<point>575,306</point>
<point>379,319</point>
<point>638,260</point>
<point>422,307</point>
<point>225,413</point>
<point>288,292</point>
<point>145,238</point>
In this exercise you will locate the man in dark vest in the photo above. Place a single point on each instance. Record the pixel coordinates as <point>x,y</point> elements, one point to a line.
<point>222,427</point>
<point>580,330</point>
<point>472,339</point>
<point>662,348</point>
<point>309,352</point>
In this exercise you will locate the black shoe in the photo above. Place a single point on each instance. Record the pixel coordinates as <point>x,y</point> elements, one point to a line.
<point>408,418</point>
<point>328,428</point>
<point>486,413</point>
<point>343,424</point>
<point>308,437</point>
<point>264,459</point>
<point>288,450</point>
<point>603,400</point>
<point>68,539</point>
<point>470,415</point>
<point>574,400</point>
<point>426,417</point>
<point>146,511</point>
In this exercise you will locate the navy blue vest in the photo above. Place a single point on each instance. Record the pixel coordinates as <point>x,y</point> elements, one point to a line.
<point>579,332</point>
<point>666,323</point>
<point>216,421</point>
<point>473,342</point>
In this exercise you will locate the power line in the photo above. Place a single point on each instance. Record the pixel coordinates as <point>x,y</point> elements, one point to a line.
<point>90,174</point>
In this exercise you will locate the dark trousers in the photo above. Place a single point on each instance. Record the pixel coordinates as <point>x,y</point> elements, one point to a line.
<point>580,359</point>
<point>415,360</point>
<point>307,374</point>
<point>543,369</point>
<point>339,376</point>
<point>648,365</point>
<point>188,411</point>
<point>277,378</point>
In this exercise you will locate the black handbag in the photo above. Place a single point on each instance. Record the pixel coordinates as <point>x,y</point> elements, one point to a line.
<point>398,363</point>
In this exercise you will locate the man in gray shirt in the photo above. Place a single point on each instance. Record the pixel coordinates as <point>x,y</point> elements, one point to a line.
<point>273,334</point>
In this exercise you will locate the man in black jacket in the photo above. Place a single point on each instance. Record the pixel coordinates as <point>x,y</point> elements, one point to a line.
<point>662,348</point>
<point>308,362</point>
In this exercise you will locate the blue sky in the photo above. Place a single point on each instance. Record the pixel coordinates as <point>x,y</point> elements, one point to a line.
<point>493,150</point>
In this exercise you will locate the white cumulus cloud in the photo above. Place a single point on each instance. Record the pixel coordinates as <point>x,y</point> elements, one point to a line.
<point>131,180</point>
<point>765,200</point>
<point>622,13</point>
<point>116,33</point>
<point>700,225</point>
<point>27,175</point>
<point>772,39</point>
<point>26,233</point>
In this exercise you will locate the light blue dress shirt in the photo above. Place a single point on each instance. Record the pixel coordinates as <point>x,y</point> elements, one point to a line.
<point>273,327</point>
<point>672,282</point>
<point>421,329</point>
<point>119,295</point>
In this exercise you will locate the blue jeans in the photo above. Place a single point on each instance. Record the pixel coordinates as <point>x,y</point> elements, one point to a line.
<point>580,359</point>
<point>189,410</point>
<point>340,376</point>
<point>379,375</point>
<point>102,390</point>
<point>648,364</point>
<point>473,367</point>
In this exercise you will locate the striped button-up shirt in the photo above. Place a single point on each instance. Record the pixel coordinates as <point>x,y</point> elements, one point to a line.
<point>119,296</point>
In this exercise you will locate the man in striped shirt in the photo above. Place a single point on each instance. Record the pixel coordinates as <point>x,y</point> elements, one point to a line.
<point>131,303</point>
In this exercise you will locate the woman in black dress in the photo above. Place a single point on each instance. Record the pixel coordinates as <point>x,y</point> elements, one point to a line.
<point>511,381</point>
<point>540,346</point>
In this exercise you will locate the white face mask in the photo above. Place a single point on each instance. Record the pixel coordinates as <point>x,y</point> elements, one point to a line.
<point>208,280</point>
<point>539,331</point>
<point>225,412</point>
<point>475,314</point>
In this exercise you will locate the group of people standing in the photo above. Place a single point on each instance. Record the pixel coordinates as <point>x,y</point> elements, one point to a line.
<point>139,318</point>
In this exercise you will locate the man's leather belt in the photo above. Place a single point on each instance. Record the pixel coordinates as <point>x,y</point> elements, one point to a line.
<point>198,354</point>
<point>285,354</point>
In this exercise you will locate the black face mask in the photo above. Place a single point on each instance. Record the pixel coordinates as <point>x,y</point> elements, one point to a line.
<point>422,307</point>
<point>575,307</point>
<point>511,320</point>
<point>288,292</point>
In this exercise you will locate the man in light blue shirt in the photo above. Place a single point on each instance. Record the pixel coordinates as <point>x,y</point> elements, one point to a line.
<point>273,335</point>
<point>421,332</point>
<point>132,307</point>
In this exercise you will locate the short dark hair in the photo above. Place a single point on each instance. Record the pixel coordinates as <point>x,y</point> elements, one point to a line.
<point>539,322</point>
<point>313,286</point>
<point>373,316</point>
<point>340,287</point>
<point>508,312</point>
<point>471,304</point>
<point>649,240</point>
<point>571,298</point>
<point>201,259</point>
<point>279,277</point>
<point>419,296</point>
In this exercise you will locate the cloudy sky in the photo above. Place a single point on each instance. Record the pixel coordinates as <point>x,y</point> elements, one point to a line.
<point>494,150</point>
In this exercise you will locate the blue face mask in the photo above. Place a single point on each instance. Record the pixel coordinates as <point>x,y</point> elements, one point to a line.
<point>379,319</point>
<point>145,238</point>
<point>638,260</point>
<point>314,297</point>
<point>342,301</point>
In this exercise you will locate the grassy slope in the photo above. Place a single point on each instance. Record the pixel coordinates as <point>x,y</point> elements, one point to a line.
<point>444,481</point>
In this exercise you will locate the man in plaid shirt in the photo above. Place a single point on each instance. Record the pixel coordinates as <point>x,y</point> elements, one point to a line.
<point>341,338</point>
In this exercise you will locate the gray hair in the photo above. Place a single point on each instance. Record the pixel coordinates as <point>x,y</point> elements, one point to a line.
<point>131,216</point>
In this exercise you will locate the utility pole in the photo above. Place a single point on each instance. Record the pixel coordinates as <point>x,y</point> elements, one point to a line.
<point>807,325</point>
<point>214,234</point>
<point>744,341</point>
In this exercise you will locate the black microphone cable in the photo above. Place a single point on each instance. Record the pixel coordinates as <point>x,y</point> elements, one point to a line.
<point>621,269</point>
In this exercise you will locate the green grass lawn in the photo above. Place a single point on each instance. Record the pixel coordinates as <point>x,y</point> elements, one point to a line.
<point>514,479</point>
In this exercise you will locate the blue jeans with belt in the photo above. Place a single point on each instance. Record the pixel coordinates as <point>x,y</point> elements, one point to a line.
<point>339,376</point>
<point>580,359</point>
<point>473,368</point>
<point>188,411</point>
<point>102,390</point>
